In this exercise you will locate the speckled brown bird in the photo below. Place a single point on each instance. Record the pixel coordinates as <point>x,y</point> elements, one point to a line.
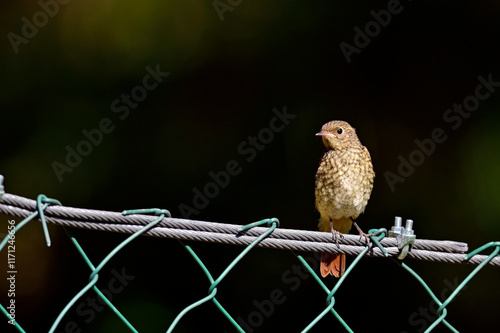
<point>344,183</point>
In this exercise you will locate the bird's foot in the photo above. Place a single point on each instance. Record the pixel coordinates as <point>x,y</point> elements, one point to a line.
<point>362,234</point>
<point>336,235</point>
<point>366,236</point>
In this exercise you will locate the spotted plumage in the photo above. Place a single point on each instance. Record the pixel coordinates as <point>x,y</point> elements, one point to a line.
<point>344,182</point>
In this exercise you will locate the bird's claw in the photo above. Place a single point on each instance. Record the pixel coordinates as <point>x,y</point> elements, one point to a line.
<point>366,237</point>
<point>336,235</point>
<point>362,234</point>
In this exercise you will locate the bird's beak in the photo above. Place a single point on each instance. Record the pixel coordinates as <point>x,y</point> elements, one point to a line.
<point>323,134</point>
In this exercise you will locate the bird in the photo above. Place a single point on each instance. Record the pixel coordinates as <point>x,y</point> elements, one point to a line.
<point>343,185</point>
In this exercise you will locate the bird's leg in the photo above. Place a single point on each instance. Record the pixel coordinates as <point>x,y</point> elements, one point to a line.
<point>335,234</point>
<point>361,233</point>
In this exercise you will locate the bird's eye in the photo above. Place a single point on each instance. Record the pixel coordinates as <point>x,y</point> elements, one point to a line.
<point>339,131</point>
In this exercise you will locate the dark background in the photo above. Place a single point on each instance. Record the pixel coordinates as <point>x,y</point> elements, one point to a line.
<point>226,77</point>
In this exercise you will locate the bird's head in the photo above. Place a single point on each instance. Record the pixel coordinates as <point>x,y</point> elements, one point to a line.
<point>338,134</point>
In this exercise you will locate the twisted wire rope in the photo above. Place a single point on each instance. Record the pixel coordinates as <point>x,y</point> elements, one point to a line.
<point>224,233</point>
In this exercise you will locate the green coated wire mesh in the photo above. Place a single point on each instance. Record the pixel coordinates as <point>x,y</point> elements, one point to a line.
<point>261,233</point>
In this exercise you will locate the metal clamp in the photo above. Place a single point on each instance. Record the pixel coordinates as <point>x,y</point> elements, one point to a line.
<point>405,236</point>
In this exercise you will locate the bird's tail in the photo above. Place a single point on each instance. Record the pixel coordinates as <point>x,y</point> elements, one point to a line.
<point>332,263</point>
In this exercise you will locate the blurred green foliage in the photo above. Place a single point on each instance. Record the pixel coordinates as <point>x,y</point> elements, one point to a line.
<point>225,79</point>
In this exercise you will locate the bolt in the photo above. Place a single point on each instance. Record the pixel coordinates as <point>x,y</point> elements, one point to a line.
<point>397,221</point>
<point>409,224</point>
